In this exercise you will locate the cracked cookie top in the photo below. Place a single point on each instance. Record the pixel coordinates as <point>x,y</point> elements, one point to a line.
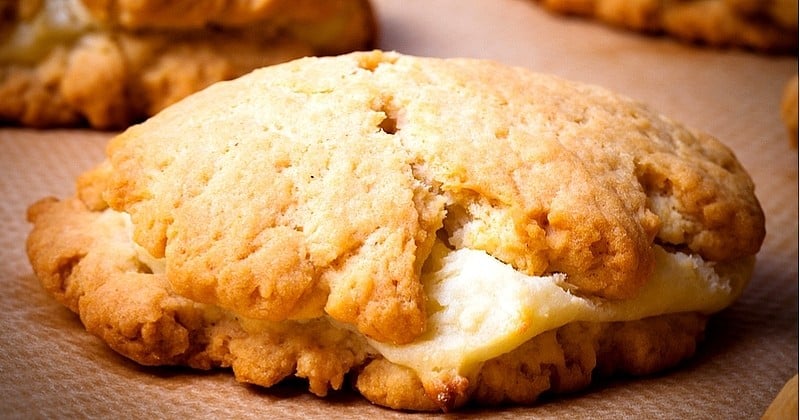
<point>319,186</point>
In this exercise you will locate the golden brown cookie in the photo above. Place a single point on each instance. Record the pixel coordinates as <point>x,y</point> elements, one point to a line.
<point>446,231</point>
<point>784,406</point>
<point>110,63</point>
<point>789,110</point>
<point>768,26</point>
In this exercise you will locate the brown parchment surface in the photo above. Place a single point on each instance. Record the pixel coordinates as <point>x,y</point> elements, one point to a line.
<point>51,368</point>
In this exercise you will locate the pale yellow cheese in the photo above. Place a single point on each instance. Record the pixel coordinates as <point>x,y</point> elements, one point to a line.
<point>481,308</point>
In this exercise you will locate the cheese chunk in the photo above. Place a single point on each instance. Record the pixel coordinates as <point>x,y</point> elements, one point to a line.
<point>480,308</point>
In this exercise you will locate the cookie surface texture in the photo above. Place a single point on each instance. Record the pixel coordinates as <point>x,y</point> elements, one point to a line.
<point>314,218</point>
<point>109,63</point>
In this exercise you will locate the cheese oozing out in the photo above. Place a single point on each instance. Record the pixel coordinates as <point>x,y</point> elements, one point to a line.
<point>480,308</point>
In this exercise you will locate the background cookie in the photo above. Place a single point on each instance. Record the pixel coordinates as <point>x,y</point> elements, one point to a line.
<point>769,26</point>
<point>785,403</point>
<point>111,63</point>
<point>788,110</point>
<point>318,207</point>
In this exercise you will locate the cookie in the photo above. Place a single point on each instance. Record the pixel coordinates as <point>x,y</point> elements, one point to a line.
<point>784,406</point>
<point>767,26</point>
<point>110,63</point>
<point>438,231</point>
<point>788,110</point>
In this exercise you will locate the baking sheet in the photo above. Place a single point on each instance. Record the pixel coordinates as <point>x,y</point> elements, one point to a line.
<point>49,366</point>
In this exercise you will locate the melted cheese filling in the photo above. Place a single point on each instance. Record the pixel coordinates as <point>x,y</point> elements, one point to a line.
<point>480,307</point>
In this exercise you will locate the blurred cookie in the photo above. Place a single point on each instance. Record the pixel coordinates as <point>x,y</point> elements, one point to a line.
<point>446,231</point>
<point>789,109</point>
<point>784,406</point>
<point>110,63</point>
<point>768,26</point>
